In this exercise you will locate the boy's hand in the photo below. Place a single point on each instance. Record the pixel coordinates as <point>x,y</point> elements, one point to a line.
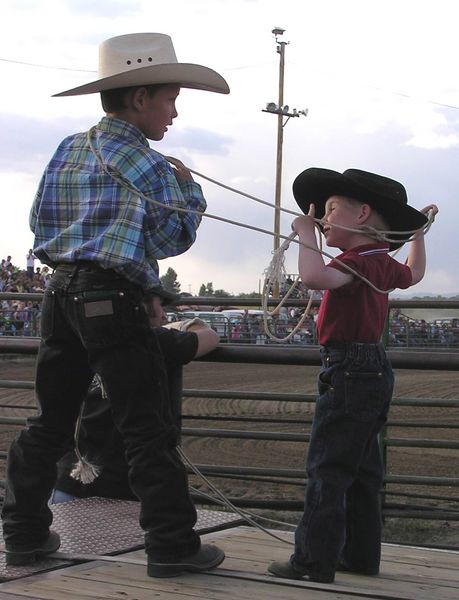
<point>431,207</point>
<point>304,225</point>
<point>180,171</point>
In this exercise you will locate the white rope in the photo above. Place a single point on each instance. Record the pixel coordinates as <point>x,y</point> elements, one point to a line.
<point>275,271</point>
<point>83,470</point>
<point>275,274</point>
<point>378,234</point>
<point>118,177</point>
<point>224,500</point>
<point>246,512</point>
<point>173,207</point>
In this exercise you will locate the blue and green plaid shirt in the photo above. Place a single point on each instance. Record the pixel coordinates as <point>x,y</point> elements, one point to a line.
<point>81,213</point>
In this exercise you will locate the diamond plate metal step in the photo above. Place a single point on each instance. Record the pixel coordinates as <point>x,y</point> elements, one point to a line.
<point>103,526</point>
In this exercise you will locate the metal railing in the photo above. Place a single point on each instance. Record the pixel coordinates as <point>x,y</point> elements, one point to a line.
<point>449,508</point>
<point>426,496</point>
<point>402,330</point>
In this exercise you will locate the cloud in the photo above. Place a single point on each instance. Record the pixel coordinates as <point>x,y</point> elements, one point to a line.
<point>199,140</point>
<point>31,142</point>
<point>440,131</point>
<point>112,9</point>
<point>365,110</point>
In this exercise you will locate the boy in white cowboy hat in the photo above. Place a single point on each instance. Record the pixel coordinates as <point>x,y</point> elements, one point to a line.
<point>341,524</point>
<point>95,222</point>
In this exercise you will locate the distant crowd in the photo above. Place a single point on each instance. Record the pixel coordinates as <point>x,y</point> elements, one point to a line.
<point>32,279</point>
<point>404,331</point>
<point>19,317</point>
<point>16,316</point>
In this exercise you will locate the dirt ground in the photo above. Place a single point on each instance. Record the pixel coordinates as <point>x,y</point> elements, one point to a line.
<point>424,422</point>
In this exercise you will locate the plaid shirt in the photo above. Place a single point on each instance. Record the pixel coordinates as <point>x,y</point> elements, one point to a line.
<point>81,213</point>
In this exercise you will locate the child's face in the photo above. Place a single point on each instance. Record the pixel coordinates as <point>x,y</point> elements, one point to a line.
<point>158,112</point>
<point>340,210</point>
<point>155,311</point>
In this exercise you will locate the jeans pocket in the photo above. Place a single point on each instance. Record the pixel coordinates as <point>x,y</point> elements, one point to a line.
<point>109,317</point>
<point>365,394</point>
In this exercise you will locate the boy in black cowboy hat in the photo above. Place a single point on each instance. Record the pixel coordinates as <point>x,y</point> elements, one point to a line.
<point>100,443</point>
<point>341,524</point>
<point>96,223</point>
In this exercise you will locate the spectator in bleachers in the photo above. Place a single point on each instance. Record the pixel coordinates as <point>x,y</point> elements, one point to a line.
<point>30,263</point>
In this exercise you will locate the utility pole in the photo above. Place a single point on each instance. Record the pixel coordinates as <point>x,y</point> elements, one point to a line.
<point>280,142</point>
<point>281,111</point>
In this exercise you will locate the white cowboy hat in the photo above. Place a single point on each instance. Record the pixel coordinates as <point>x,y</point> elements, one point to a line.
<point>146,59</point>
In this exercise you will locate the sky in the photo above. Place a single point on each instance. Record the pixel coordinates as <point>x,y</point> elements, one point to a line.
<point>379,81</point>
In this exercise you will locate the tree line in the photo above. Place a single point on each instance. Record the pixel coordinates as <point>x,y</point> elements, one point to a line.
<point>170,283</point>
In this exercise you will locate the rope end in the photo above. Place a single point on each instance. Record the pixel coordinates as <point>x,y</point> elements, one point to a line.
<point>85,471</point>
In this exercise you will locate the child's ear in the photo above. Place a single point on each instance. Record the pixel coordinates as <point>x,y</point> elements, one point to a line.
<point>136,98</point>
<point>365,213</point>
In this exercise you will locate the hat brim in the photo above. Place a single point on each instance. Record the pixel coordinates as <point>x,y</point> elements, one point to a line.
<point>186,75</point>
<point>167,297</point>
<point>316,186</point>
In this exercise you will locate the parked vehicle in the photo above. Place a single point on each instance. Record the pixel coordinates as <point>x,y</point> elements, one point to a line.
<point>216,320</point>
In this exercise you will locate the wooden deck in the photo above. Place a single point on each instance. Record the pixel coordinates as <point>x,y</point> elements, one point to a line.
<point>407,573</point>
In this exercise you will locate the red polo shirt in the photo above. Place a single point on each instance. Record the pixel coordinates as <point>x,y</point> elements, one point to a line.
<point>355,312</point>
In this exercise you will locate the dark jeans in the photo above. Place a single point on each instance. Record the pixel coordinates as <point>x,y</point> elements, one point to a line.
<point>342,514</point>
<point>93,322</point>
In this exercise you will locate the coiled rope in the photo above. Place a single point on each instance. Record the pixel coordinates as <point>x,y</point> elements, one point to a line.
<point>275,272</point>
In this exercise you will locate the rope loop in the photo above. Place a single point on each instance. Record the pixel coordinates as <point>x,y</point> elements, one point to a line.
<point>275,272</point>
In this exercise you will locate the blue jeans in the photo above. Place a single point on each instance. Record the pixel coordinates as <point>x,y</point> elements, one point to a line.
<point>60,497</point>
<point>93,321</point>
<point>342,514</point>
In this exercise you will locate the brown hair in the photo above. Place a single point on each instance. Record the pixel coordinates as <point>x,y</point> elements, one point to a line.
<point>115,100</point>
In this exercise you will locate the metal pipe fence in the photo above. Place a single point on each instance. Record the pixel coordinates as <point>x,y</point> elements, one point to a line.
<point>403,331</point>
<point>411,345</point>
<point>448,505</point>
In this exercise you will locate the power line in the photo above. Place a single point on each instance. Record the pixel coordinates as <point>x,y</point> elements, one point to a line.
<point>413,97</point>
<point>395,93</point>
<point>28,64</point>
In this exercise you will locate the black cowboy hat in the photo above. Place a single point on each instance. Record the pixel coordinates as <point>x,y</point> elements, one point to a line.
<point>167,298</point>
<point>387,196</point>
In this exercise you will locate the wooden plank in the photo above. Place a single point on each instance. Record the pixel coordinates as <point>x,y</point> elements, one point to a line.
<point>419,555</point>
<point>112,582</point>
<point>396,576</point>
<point>250,550</point>
<point>407,574</point>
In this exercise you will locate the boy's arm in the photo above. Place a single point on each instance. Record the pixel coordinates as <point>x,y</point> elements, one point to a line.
<point>417,255</point>
<point>313,271</point>
<point>169,232</point>
<point>34,210</point>
<point>207,338</point>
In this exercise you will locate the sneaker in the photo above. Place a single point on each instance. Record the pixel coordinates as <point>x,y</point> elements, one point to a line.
<point>25,555</point>
<point>207,557</point>
<point>287,570</point>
